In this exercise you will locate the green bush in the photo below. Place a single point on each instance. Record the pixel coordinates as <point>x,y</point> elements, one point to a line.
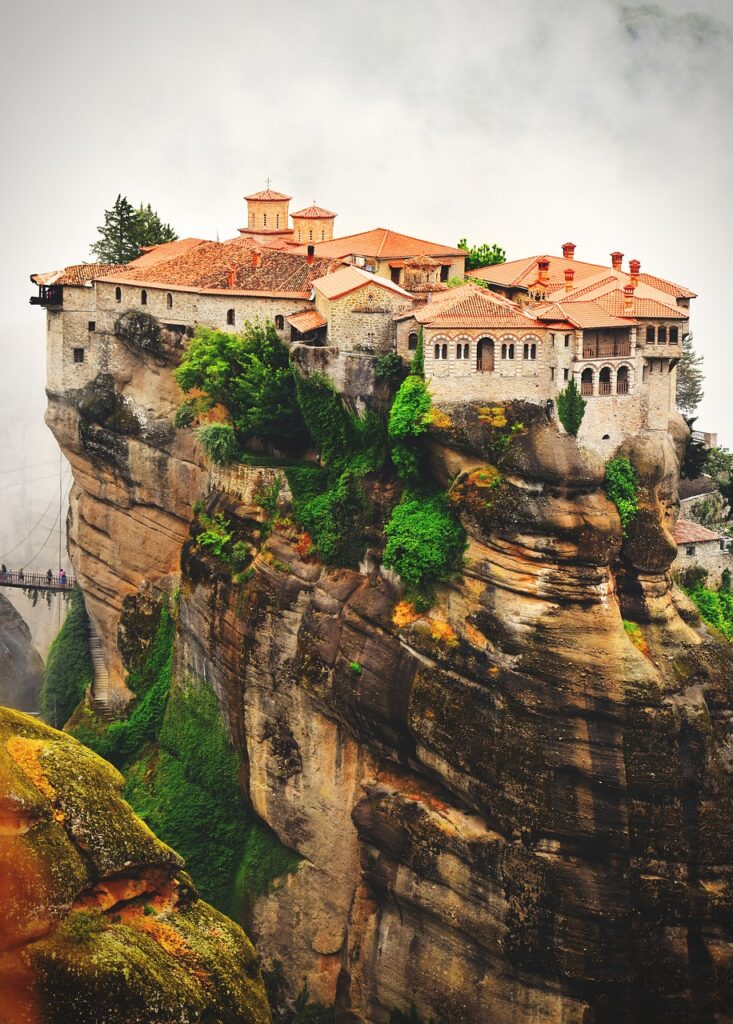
<point>417,366</point>
<point>218,441</point>
<point>81,926</point>
<point>264,858</point>
<point>335,520</point>
<point>390,368</point>
<point>715,607</point>
<point>425,542</point>
<point>622,489</point>
<point>571,408</point>
<point>69,669</point>
<point>407,422</point>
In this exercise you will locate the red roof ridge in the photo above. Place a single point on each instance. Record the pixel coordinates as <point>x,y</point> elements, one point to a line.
<point>313,212</point>
<point>268,195</point>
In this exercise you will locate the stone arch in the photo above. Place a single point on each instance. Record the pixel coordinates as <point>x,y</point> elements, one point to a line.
<point>485,354</point>
<point>624,379</point>
<point>587,378</point>
<point>412,339</point>
<point>230,317</point>
<point>605,380</point>
<point>463,346</point>
<point>440,347</point>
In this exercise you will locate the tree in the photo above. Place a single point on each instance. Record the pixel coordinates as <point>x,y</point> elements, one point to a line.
<point>483,255</point>
<point>571,408</point>
<point>126,230</point>
<point>689,378</point>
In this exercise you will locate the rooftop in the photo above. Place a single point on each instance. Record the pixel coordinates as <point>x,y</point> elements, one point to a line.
<point>474,306</point>
<point>314,213</point>
<point>584,314</point>
<point>687,532</point>
<point>348,279</point>
<point>77,274</point>
<point>268,196</point>
<point>381,243</point>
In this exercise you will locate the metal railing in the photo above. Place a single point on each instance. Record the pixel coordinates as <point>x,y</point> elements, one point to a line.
<point>37,580</point>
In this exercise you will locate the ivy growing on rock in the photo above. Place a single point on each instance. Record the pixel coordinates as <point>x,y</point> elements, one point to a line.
<point>69,669</point>
<point>621,488</point>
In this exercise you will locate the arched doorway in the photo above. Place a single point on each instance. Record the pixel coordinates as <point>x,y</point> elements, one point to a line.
<point>586,381</point>
<point>604,381</point>
<point>622,380</point>
<point>485,354</point>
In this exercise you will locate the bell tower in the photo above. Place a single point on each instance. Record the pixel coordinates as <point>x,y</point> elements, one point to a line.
<point>313,224</point>
<point>267,213</point>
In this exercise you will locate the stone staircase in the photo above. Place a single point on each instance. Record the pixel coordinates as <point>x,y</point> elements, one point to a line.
<point>99,691</point>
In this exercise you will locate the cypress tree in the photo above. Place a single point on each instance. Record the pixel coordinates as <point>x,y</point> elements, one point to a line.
<point>571,408</point>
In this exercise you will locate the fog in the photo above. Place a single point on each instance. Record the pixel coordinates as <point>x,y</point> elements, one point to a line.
<point>522,123</point>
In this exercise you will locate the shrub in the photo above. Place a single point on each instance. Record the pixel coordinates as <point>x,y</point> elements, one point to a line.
<point>621,489</point>
<point>219,442</point>
<point>335,520</point>
<point>425,541</point>
<point>715,607</point>
<point>418,360</point>
<point>571,408</point>
<point>407,422</point>
<point>69,669</point>
<point>390,368</point>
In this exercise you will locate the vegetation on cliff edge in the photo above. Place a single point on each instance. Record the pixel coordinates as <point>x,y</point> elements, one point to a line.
<point>621,488</point>
<point>69,669</point>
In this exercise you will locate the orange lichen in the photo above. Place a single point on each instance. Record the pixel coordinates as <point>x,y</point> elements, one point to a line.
<point>437,418</point>
<point>304,545</point>
<point>27,755</point>
<point>486,476</point>
<point>404,614</point>
<point>443,633</point>
<point>494,415</point>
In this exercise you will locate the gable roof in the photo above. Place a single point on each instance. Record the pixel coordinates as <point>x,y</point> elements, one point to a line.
<point>615,302</point>
<point>585,314</point>
<point>381,243</point>
<point>77,274</point>
<point>474,306</point>
<point>349,279</point>
<point>687,532</point>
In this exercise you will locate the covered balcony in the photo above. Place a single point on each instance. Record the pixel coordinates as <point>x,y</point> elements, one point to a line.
<point>48,295</point>
<point>606,344</point>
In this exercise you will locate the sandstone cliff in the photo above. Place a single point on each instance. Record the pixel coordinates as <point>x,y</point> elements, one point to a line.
<point>21,668</point>
<point>515,807</point>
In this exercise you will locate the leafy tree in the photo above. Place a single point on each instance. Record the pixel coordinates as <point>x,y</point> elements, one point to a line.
<point>250,375</point>
<point>126,230</point>
<point>418,360</point>
<point>689,378</point>
<point>407,421</point>
<point>571,408</point>
<point>621,488</point>
<point>425,541</point>
<point>483,255</point>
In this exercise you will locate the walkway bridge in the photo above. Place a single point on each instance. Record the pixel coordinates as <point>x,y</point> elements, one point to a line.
<point>37,581</point>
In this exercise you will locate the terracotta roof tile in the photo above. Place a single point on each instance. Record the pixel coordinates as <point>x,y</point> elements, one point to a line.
<point>381,243</point>
<point>587,314</point>
<point>475,307</point>
<point>687,532</point>
<point>268,196</point>
<point>77,274</point>
<point>348,279</point>
<point>614,303</point>
<point>314,213</point>
<point>166,251</point>
<point>677,290</point>
<point>309,320</point>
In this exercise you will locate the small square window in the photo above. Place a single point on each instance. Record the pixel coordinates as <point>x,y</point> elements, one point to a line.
<point>567,341</point>
<point>92,325</point>
<point>690,549</point>
<point>78,355</point>
<point>565,374</point>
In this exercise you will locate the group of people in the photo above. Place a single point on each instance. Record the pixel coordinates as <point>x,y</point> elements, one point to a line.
<point>8,574</point>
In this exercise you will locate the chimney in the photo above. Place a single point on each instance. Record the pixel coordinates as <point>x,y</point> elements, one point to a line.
<point>543,266</point>
<point>568,250</point>
<point>569,278</point>
<point>256,258</point>
<point>629,299</point>
<point>617,259</point>
<point>634,268</point>
<point>311,254</point>
<point>231,278</point>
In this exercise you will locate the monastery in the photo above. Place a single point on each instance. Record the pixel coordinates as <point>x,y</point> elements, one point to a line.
<point>516,330</point>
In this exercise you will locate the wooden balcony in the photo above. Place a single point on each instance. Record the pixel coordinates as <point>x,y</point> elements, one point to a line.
<point>606,349</point>
<point>48,295</point>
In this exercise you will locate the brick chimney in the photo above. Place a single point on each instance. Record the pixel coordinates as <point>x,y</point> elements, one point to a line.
<point>617,259</point>
<point>568,250</point>
<point>629,298</point>
<point>231,278</point>
<point>569,278</point>
<point>311,254</point>
<point>256,258</point>
<point>634,268</point>
<point>543,266</point>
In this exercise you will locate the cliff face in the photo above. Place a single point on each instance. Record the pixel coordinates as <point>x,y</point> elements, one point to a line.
<point>97,920</point>
<point>21,671</point>
<point>514,808</point>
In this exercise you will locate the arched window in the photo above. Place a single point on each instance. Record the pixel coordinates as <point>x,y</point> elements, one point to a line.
<point>118,295</point>
<point>437,351</point>
<point>459,351</point>
<point>444,353</point>
<point>503,351</point>
<point>586,381</point>
<point>230,316</point>
<point>509,351</point>
<point>169,300</point>
<point>466,350</point>
<point>143,298</point>
<point>604,381</point>
<point>526,352</point>
<point>412,341</point>
<point>622,380</point>
<point>279,322</point>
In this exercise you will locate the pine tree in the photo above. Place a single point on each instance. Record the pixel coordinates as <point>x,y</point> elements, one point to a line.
<point>126,230</point>
<point>689,378</point>
<point>571,408</point>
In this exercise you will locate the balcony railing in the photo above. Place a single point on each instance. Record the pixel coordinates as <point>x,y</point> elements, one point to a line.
<point>606,349</point>
<point>604,387</point>
<point>48,295</point>
<point>622,387</point>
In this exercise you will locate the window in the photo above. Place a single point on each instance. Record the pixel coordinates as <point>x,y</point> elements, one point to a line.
<point>526,352</point>
<point>674,336</point>
<point>323,235</point>
<point>444,272</point>
<point>299,234</point>
<point>437,352</point>
<point>118,295</point>
<point>552,373</point>
<point>567,340</point>
<point>662,335</point>
<point>412,341</point>
<point>310,236</point>
<point>622,380</point>
<point>650,335</point>
<point>92,325</point>
<point>394,273</point>
<point>604,381</point>
<point>645,371</point>
<point>277,220</point>
<point>264,220</point>
<point>143,298</point>
<point>444,352</point>
<point>565,374</point>
<point>279,322</point>
<point>606,437</point>
<point>690,549</point>
<point>78,355</point>
<point>459,351</point>
<point>169,301</point>
<point>586,381</point>
<point>230,316</point>
<point>466,351</point>
<point>503,351</point>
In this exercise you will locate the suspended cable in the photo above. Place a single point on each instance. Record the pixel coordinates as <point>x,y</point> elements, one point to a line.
<point>48,536</point>
<point>32,529</point>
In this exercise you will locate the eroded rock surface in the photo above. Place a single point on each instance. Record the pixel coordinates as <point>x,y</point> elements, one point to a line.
<point>515,808</point>
<point>98,922</point>
<point>21,668</point>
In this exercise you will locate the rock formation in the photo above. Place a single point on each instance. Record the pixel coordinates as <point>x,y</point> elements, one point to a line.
<point>21,668</point>
<point>98,921</point>
<point>515,807</point>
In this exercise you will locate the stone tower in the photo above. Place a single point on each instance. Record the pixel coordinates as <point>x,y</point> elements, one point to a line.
<point>313,224</point>
<point>267,214</point>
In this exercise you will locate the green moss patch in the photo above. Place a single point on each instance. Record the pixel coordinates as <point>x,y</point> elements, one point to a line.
<point>69,669</point>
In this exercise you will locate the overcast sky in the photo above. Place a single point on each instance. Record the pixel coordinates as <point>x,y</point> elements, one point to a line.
<point>524,123</point>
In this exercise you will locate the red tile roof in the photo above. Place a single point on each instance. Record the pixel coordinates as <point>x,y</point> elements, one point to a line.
<point>309,320</point>
<point>256,270</point>
<point>314,212</point>
<point>586,314</point>
<point>677,290</point>
<point>687,532</point>
<point>348,279</point>
<point>381,243</point>
<point>473,306</point>
<point>268,196</point>
<point>166,251</point>
<point>77,274</point>
<point>613,302</point>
